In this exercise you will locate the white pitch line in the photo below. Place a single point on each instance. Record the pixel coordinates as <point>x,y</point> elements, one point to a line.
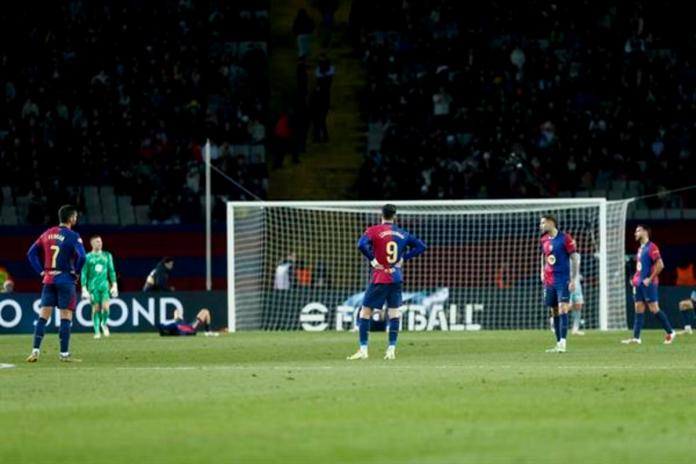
<point>361,365</point>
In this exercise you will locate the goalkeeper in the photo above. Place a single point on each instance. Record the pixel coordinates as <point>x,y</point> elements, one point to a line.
<point>98,284</point>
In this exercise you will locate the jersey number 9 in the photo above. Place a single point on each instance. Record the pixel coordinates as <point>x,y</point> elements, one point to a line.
<point>392,252</point>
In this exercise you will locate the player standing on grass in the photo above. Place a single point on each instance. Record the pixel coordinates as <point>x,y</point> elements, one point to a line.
<point>387,247</point>
<point>98,283</point>
<point>577,301</point>
<point>645,281</point>
<point>560,263</point>
<point>63,257</point>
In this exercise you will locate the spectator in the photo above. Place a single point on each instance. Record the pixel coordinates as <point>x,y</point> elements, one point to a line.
<point>324,74</point>
<point>319,110</point>
<point>284,273</point>
<point>282,141</point>
<point>303,27</point>
<point>158,279</point>
<point>7,287</point>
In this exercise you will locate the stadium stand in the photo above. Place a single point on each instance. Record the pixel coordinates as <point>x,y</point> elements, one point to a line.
<point>102,110</point>
<point>528,99</point>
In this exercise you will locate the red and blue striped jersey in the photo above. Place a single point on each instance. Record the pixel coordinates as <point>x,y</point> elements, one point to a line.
<point>646,258</point>
<point>557,251</point>
<point>63,255</point>
<point>389,244</point>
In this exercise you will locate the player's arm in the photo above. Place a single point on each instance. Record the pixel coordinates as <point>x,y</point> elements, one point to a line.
<point>84,277</point>
<point>365,247</point>
<point>659,267</point>
<point>81,255</point>
<point>543,264</point>
<point>415,247</point>
<point>112,275</point>
<point>574,266</point>
<point>33,257</point>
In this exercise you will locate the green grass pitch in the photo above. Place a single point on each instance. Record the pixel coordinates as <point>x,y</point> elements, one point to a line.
<point>290,397</point>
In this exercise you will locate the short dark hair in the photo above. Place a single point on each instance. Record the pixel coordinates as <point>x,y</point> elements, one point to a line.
<point>66,212</point>
<point>388,211</point>
<point>552,218</point>
<point>646,228</point>
<point>167,259</point>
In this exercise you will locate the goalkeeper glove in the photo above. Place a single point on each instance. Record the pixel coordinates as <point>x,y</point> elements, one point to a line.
<point>114,290</point>
<point>85,293</point>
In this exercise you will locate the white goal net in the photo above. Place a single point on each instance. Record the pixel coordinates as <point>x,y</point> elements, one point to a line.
<point>295,265</point>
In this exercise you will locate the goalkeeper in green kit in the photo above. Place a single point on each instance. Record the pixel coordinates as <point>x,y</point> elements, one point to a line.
<point>98,284</point>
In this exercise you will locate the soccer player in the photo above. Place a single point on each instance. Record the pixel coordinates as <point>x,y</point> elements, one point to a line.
<point>645,281</point>
<point>98,283</point>
<point>560,263</point>
<point>180,328</point>
<point>686,307</point>
<point>386,246</point>
<point>63,258</point>
<point>577,301</point>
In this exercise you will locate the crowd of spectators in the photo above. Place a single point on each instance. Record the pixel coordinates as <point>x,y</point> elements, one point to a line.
<point>125,94</point>
<point>526,98</point>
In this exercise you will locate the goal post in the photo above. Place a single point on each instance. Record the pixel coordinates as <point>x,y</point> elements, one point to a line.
<point>295,265</point>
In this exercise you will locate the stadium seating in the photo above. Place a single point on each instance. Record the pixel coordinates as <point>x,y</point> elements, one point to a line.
<point>112,115</point>
<point>527,99</point>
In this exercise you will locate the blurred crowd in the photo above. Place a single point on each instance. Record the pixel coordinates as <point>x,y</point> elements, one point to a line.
<point>526,98</point>
<point>125,94</point>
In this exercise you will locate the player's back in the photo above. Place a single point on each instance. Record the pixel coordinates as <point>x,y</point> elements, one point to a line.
<point>59,245</point>
<point>388,242</point>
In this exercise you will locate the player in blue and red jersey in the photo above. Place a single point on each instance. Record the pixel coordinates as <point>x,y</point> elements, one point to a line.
<point>645,281</point>
<point>63,257</point>
<point>386,246</point>
<point>560,263</point>
<point>179,328</point>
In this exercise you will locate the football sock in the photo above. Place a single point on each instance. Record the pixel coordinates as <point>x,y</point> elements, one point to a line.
<point>564,326</point>
<point>96,320</point>
<point>64,333</point>
<point>664,322</point>
<point>393,331</point>
<point>364,330</point>
<point>638,325</point>
<point>39,332</point>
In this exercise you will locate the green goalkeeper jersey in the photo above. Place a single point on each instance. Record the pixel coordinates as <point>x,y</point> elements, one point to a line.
<point>98,271</point>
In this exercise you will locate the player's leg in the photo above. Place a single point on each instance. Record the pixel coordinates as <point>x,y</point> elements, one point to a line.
<point>394,314</point>
<point>374,298</point>
<point>96,317</point>
<point>48,301</point>
<point>686,309</point>
<point>639,318</point>
<point>67,301</point>
<point>577,301</point>
<point>105,313</point>
<point>654,308</point>
<point>551,303</point>
<point>563,309</point>
<point>203,318</point>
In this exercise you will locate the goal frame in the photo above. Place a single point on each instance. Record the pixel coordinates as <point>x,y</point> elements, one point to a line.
<point>600,202</point>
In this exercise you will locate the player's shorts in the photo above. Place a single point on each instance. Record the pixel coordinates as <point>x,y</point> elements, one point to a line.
<point>61,296</point>
<point>643,294</point>
<point>377,294</point>
<point>556,294</point>
<point>99,296</point>
<point>176,329</point>
<point>577,297</point>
